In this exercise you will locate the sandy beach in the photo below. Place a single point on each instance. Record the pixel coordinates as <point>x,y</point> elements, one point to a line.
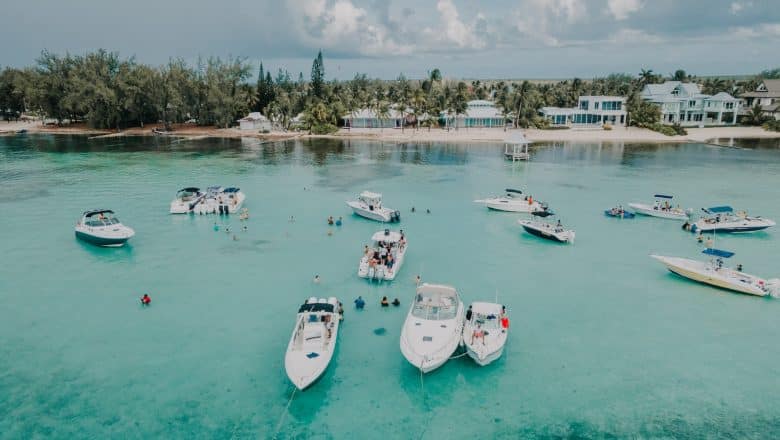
<point>617,134</point>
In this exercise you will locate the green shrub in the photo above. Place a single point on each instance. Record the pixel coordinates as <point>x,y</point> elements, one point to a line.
<point>324,129</point>
<point>773,125</point>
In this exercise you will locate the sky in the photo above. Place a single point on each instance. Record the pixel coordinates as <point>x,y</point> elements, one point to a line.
<point>494,39</point>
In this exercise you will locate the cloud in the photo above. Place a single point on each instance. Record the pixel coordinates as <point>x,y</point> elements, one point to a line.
<point>543,20</point>
<point>621,9</point>
<point>765,30</point>
<point>737,7</point>
<point>628,36</point>
<point>454,30</point>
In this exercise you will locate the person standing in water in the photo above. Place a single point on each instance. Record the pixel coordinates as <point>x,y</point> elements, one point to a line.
<point>146,300</point>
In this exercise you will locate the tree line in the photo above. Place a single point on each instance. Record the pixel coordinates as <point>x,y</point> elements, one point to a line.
<point>110,92</point>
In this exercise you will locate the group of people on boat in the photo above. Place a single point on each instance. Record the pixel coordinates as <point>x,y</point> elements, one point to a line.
<point>383,255</point>
<point>617,211</point>
<point>665,206</point>
<point>479,332</point>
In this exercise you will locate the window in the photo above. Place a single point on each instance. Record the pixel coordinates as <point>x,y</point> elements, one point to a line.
<point>597,105</point>
<point>583,105</point>
<point>691,103</point>
<point>729,105</point>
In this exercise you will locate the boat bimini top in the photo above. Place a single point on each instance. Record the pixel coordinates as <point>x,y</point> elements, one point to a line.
<point>718,210</point>
<point>718,253</point>
<point>387,236</point>
<point>663,196</point>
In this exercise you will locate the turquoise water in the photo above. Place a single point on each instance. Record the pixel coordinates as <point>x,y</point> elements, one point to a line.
<point>604,342</point>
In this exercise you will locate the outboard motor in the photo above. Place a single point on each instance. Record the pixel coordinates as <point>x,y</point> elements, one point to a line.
<point>387,232</point>
<point>395,216</point>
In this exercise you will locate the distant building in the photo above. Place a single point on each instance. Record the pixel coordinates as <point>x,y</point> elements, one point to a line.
<point>479,114</point>
<point>684,104</point>
<point>368,118</point>
<point>591,111</point>
<point>766,95</point>
<point>254,121</point>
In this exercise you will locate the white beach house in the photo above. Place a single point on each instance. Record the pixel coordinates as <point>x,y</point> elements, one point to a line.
<point>254,121</point>
<point>591,111</point>
<point>684,104</point>
<point>766,95</point>
<point>479,114</point>
<point>369,118</point>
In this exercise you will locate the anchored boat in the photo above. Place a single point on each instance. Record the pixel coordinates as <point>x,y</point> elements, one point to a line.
<point>369,205</point>
<point>555,232</point>
<point>724,219</point>
<point>313,341</point>
<point>715,274</point>
<point>661,208</point>
<point>384,259</point>
<point>619,212</point>
<point>485,333</point>
<point>219,200</point>
<point>102,228</point>
<point>512,201</point>
<point>433,328</point>
<point>186,200</point>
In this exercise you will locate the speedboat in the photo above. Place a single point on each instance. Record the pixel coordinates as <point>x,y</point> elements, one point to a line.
<point>433,328</point>
<point>662,208</point>
<point>619,212</point>
<point>186,200</point>
<point>713,273</point>
<point>546,230</point>
<point>369,205</point>
<point>219,200</point>
<point>513,201</point>
<point>724,219</point>
<point>209,203</point>
<point>232,199</point>
<point>377,262</point>
<point>101,228</point>
<point>313,341</point>
<point>484,335</point>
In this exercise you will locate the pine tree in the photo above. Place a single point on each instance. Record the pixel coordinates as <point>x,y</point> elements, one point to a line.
<point>318,76</point>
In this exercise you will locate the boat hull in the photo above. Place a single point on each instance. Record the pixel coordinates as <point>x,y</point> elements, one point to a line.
<point>482,359</point>
<point>660,213</point>
<point>383,215</point>
<point>560,237</point>
<point>697,271</point>
<point>512,206</point>
<point>731,227</point>
<point>625,214</point>
<point>101,240</point>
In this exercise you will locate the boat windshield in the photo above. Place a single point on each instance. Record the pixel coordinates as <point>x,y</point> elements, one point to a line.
<point>486,321</point>
<point>434,306</point>
<point>101,220</point>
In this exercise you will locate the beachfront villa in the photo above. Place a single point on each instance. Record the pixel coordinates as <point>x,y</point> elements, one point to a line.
<point>766,95</point>
<point>254,121</point>
<point>479,114</point>
<point>684,104</point>
<point>369,118</point>
<point>591,111</point>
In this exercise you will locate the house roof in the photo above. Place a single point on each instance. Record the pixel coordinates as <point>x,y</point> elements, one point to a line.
<point>557,111</point>
<point>252,117</point>
<point>769,88</point>
<point>659,91</point>
<point>722,96</point>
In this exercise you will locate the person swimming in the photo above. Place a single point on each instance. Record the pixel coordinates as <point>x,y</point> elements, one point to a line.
<point>338,222</point>
<point>384,302</point>
<point>146,300</point>
<point>359,303</point>
<point>330,221</point>
<point>419,280</point>
<point>316,279</point>
<point>396,302</point>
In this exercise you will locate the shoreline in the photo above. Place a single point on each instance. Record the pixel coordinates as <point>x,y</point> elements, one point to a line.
<point>471,135</point>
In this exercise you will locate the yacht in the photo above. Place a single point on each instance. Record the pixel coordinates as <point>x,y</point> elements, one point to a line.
<point>555,232</point>
<point>313,341</point>
<point>724,219</point>
<point>375,263</point>
<point>484,335</point>
<point>186,200</point>
<point>662,208</point>
<point>512,201</point>
<point>715,274</point>
<point>433,328</point>
<point>101,228</point>
<point>369,205</point>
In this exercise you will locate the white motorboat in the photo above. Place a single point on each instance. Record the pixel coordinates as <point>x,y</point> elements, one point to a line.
<point>724,219</point>
<point>313,341</point>
<point>513,201</point>
<point>186,200</point>
<point>377,262</point>
<point>662,208</point>
<point>100,227</point>
<point>369,205</point>
<point>219,200</point>
<point>555,232</point>
<point>713,273</point>
<point>485,333</point>
<point>433,328</point>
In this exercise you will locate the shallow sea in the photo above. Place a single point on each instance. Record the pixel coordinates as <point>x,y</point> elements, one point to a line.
<point>604,342</point>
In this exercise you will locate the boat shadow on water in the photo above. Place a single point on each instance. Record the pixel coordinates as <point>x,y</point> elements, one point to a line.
<point>107,253</point>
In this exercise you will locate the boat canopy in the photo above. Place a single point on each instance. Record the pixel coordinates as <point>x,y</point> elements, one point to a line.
<point>516,191</point>
<point>663,196</point>
<point>98,212</point>
<point>542,213</point>
<point>718,253</point>
<point>719,209</point>
<point>316,307</point>
<point>231,190</point>
<point>387,236</point>
<point>190,189</point>
<point>370,195</point>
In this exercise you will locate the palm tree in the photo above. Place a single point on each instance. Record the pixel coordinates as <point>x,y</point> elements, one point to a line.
<point>755,116</point>
<point>647,77</point>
